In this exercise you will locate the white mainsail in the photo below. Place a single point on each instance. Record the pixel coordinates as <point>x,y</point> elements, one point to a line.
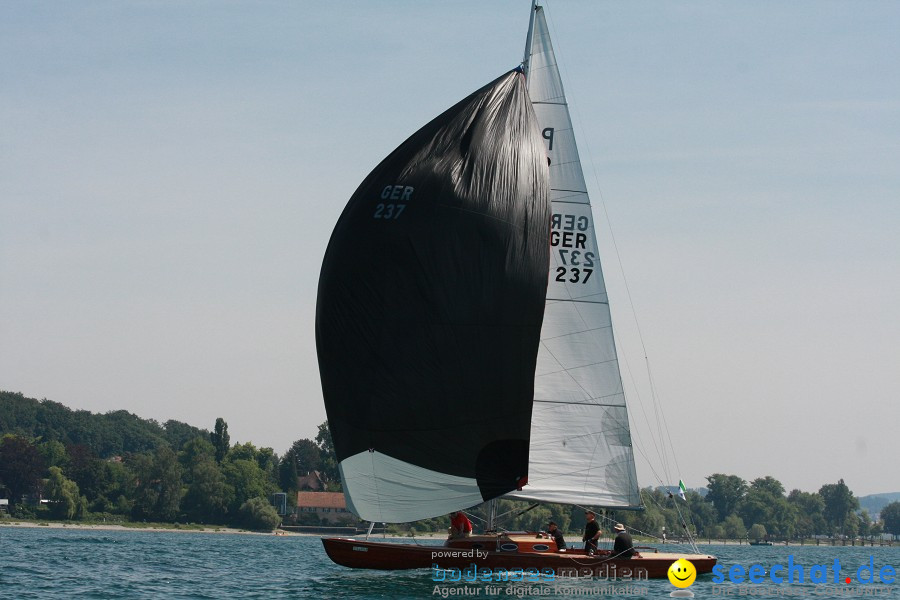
<point>580,450</point>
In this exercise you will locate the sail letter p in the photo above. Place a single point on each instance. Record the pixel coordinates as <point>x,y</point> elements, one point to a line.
<point>548,135</point>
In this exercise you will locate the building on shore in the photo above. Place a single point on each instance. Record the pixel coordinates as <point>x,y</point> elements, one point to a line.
<point>328,506</point>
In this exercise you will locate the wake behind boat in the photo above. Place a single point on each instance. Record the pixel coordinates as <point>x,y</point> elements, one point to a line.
<point>466,348</point>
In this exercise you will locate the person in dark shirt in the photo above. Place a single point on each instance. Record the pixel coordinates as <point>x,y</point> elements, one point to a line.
<point>591,532</point>
<point>557,535</point>
<point>623,546</point>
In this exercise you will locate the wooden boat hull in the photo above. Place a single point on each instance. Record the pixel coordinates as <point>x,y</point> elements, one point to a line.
<point>360,554</point>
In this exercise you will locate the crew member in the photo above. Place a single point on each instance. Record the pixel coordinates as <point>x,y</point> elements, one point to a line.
<point>460,525</point>
<point>623,546</point>
<point>591,532</point>
<point>557,535</point>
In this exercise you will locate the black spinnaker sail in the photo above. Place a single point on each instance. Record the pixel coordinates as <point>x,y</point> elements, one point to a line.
<point>429,312</point>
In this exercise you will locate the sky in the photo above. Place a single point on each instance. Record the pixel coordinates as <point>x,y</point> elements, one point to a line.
<point>170,174</point>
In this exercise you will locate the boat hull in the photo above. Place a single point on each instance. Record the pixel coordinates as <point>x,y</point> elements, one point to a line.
<point>360,554</point>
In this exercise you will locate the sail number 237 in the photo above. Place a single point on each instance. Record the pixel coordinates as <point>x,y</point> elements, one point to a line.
<point>568,235</point>
<point>394,198</point>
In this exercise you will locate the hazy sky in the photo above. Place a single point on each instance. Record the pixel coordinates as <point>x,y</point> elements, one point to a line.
<point>170,173</point>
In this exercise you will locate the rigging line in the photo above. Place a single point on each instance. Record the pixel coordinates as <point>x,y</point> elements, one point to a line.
<point>567,162</point>
<point>654,397</point>
<point>609,520</point>
<point>564,369</point>
<point>585,402</point>
<point>665,423</point>
<point>590,435</point>
<point>685,527</point>
<point>650,464</point>
<point>640,401</point>
<point>556,301</point>
<point>570,369</point>
<point>635,529</point>
<point>563,335</point>
<point>570,194</point>
<point>580,403</point>
<point>640,446</point>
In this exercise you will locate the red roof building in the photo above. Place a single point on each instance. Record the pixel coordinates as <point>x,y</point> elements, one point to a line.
<point>328,506</point>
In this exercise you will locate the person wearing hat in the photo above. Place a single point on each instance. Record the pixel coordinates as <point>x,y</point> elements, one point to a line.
<point>591,532</point>
<point>623,546</point>
<point>557,535</point>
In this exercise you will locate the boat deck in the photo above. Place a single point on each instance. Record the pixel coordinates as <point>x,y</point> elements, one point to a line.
<point>514,552</point>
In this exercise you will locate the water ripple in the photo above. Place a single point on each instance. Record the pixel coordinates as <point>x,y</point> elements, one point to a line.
<point>59,563</point>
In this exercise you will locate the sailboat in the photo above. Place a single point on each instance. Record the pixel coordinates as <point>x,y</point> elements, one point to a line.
<point>465,347</point>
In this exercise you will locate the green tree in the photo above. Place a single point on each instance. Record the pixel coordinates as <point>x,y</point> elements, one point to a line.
<point>329,458</point>
<point>208,495</point>
<point>304,456</point>
<point>649,521</point>
<point>86,469</point>
<point>768,484</point>
<point>701,514</point>
<point>178,433</point>
<point>54,454</point>
<point>220,439</point>
<point>734,527</point>
<point>725,491</point>
<point>757,532</point>
<point>287,472</point>
<point>245,451</point>
<point>864,523</point>
<point>876,530</point>
<point>715,532</point>
<point>119,488</point>
<point>194,452</point>
<point>21,467</point>
<point>246,480</point>
<point>258,514</point>
<point>839,503</point>
<point>809,509</point>
<point>65,501</point>
<point>765,504</point>
<point>158,485</point>
<point>268,462</point>
<point>890,516</point>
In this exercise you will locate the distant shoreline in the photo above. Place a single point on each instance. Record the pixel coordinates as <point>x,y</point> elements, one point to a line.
<point>429,536</point>
<point>115,527</point>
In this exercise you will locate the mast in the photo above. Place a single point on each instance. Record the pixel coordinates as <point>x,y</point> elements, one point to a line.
<point>527,59</point>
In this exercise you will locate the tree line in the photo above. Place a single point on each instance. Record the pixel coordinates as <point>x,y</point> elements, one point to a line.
<point>761,509</point>
<point>731,509</point>
<point>119,467</point>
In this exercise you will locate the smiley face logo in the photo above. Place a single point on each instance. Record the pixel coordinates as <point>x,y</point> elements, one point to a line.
<point>682,573</point>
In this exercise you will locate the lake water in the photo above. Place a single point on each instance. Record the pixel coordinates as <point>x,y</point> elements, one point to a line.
<point>42,562</point>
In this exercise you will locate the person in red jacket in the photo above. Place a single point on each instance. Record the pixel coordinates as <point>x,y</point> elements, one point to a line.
<point>460,526</point>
